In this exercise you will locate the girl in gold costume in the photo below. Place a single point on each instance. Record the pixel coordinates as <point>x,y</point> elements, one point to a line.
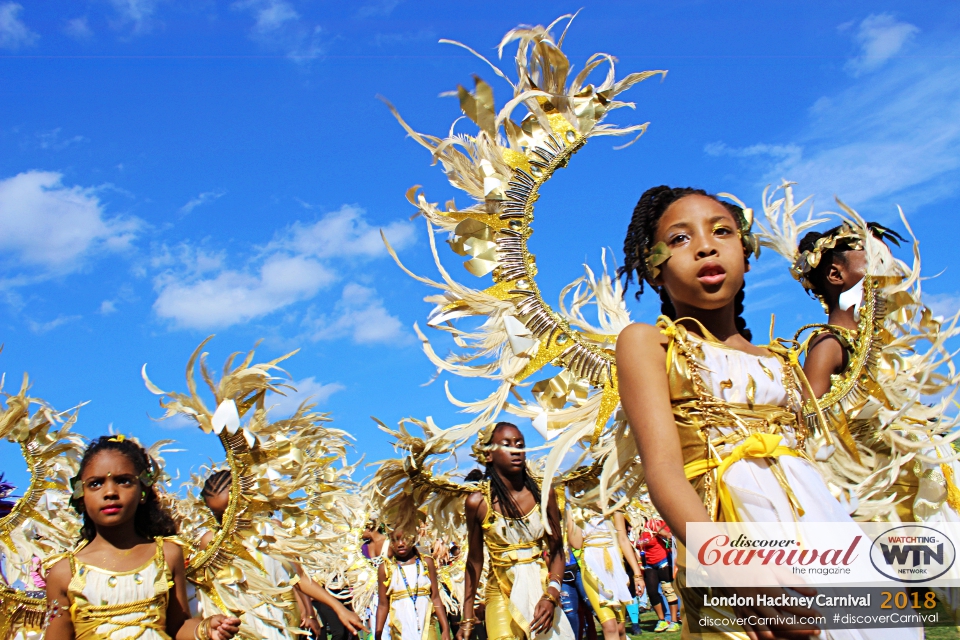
<point>409,594</point>
<point>523,589</point>
<point>127,579</point>
<point>717,420</point>
<point>605,548</point>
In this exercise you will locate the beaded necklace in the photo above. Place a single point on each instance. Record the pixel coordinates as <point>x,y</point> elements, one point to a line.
<point>416,590</point>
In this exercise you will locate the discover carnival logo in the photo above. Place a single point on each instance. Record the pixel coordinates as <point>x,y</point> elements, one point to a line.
<point>912,553</point>
<point>723,551</point>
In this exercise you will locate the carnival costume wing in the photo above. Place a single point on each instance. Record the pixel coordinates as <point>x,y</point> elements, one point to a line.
<point>502,167</point>
<point>41,523</point>
<point>889,406</point>
<point>276,505</point>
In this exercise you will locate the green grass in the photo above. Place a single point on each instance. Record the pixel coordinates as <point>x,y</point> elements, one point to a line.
<point>648,620</point>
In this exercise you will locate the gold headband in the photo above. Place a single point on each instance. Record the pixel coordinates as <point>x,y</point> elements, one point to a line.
<point>809,260</point>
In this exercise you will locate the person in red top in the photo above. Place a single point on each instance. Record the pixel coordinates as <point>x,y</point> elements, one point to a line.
<point>657,572</point>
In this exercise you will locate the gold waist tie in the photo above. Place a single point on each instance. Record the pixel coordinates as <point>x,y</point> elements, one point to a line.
<point>400,595</point>
<point>506,555</point>
<point>601,541</point>
<point>757,445</point>
<point>88,619</point>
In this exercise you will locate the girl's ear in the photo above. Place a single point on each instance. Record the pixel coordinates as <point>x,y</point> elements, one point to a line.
<point>835,275</point>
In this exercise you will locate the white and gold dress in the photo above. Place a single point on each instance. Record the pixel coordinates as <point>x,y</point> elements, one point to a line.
<point>604,578</point>
<point>411,603</point>
<point>738,415</point>
<point>518,576</point>
<point>120,605</point>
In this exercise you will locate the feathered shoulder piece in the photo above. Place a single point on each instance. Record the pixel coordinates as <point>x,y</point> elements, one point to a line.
<point>40,523</point>
<point>283,477</point>
<point>412,489</point>
<point>502,164</point>
<point>900,379</point>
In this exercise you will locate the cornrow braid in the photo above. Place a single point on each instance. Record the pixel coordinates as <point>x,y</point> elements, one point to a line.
<point>640,238</point>
<point>216,483</point>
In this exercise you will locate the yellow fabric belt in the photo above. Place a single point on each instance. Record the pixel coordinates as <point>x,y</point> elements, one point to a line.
<point>88,618</point>
<point>506,555</point>
<point>420,591</point>
<point>757,445</point>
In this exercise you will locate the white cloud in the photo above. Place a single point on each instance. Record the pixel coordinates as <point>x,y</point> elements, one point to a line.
<point>780,151</point>
<point>44,327</point>
<point>404,37</point>
<point>53,228</point>
<point>888,138</point>
<point>107,307</point>
<point>51,140</point>
<point>880,37</point>
<point>943,304</point>
<point>278,26</point>
<point>136,13</point>
<point>79,29</point>
<point>232,296</point>
<point>344,232</point>
<point>177,421</point>
<point>378,8</point>
<point>359,315</point>
<point>13,32</point>
<point>197,289</point>
<point>203,198</point>
<point>307,390</point>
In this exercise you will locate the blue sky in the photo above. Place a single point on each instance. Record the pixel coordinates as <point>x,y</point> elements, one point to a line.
<point>169,170</point>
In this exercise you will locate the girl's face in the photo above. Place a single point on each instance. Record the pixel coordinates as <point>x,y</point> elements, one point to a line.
<point>506,461</point>
<point>218,503</point>
<point>403,544</point>
<point>706,266</point>
<point>111,489</point>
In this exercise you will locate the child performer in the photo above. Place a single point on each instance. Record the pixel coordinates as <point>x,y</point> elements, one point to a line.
<point>523,588</point>
<point>126,580</point>
<point>718,429</point>
<point>605,547</point>
<point>266,620</point>
<point>408,593</point>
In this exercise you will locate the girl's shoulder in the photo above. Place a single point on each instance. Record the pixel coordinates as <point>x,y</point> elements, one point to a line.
<point>641,337</point>
<point>60,571</point>
<point>172,550</point>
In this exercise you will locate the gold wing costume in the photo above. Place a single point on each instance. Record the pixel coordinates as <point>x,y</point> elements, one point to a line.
<point>889,406</point>
<point>41,523</point>
<point>502,167</point>
<point>284,479</point>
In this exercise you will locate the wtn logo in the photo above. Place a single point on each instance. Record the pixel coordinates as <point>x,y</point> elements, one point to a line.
<point>900,554</point>
<point>913,553</point>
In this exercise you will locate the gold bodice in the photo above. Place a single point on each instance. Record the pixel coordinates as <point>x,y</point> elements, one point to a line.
<point>729,405</point>
<point>115,605</point>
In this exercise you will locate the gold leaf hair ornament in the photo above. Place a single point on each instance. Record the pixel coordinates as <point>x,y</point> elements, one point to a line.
<point>749,240</point>
<point>482,447</point>
<point>654,257</point>
<point>808,261</point>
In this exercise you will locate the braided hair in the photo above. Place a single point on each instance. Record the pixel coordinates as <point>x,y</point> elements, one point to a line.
<point>640,238</point>
<point>216,483</point>
<point>817,277</point>
<point>498,488</point>
<point>151,519</point>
